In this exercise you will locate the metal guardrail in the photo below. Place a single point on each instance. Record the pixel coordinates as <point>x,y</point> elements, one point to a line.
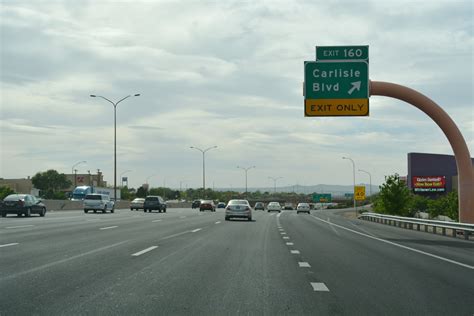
<point>409,222</point>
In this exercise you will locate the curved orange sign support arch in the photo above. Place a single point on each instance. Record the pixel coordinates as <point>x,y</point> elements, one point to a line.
<point>449,128</point>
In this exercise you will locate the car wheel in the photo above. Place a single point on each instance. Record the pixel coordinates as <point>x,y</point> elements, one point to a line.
<point>28,212</point>
<point>18,214</point>
<point>279,211</point>
<point>43,212</point>
<point>250,219</point>
<point>226,218</point>
<point>164,210</point>
<point>4,214</point>
<point>112,210</point>
<point>85,211</point>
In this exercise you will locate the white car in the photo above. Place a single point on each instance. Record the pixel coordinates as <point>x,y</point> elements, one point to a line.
<point>303,208</point>
<point>274,207</point>
<point>98,202</point>
<point>238,209</point>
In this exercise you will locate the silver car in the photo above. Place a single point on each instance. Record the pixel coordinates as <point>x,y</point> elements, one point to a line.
<point>137,204</point>
<point>274,207</point>
<point>303,208</point>
<point>238,209</point>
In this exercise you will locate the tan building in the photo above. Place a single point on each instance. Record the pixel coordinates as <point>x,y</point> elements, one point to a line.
<point>24,186</point>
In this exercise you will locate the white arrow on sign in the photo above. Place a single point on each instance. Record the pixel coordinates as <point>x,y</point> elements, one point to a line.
<point>355,85</point>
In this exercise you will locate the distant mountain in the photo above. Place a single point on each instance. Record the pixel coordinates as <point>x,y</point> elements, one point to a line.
<point>334,189</point>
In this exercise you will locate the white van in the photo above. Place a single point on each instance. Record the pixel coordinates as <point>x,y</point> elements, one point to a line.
<point>98,202</point>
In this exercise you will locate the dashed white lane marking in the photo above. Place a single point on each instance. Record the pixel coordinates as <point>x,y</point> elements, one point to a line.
<point>279,214</point>
<point>319,287</point>
<point>398,245</point>
<point>286,237</point>
<point>110,227</point>
<point>290,243</point>
<point>22,226</point>
<point>54,263</point>
<point>295,252</point>
<point>8,245</point>
<point>304,265</point>
<point>196,230</point>
<point>282,233</point>
<point>218,222</point>
<point>156,220</point>
<point>136,254</point>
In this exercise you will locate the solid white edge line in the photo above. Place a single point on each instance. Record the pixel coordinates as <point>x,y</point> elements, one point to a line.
<point>398,245</point>
<point>136,254</point>
<point>196,230</point>
<point>110,227</point>
<point>156,220</point>
<point>304,265</point>
<point>319,287</point>
<point>8,245</point>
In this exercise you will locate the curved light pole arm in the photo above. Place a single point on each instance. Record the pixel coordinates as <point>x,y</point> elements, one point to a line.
<point>449,128</point>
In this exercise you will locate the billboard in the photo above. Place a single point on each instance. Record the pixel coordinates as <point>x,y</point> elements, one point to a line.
<point>428,184</point>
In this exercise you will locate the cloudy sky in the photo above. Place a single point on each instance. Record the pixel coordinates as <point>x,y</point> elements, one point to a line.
<point>226,74</point>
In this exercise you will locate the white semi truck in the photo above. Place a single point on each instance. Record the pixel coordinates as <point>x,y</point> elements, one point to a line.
<point>80,192</point>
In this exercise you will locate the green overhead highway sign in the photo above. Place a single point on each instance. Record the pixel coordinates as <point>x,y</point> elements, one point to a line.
<point>336,88</point>
<point>322,198</point>
<point>342,53</point>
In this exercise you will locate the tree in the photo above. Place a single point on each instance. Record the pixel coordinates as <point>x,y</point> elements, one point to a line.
<point>50,183</point>
<point>142,192</point>
<point>394,197</point>
<point>446,205</point>
<point>5,191</point>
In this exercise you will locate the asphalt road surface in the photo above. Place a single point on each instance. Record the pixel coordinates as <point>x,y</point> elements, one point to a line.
<point>186,262</point>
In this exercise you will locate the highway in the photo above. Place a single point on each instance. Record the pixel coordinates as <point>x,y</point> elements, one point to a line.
<point>186,262</point>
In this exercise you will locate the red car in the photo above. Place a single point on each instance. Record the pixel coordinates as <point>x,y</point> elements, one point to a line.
<point>207,205</point>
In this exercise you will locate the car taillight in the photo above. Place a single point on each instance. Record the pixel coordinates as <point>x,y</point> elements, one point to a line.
<point>247,208</point>
<point>227,208</point>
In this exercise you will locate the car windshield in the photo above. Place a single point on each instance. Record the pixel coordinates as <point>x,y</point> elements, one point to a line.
<point>234,202</point>
<point>93,197</point>
<point>14,197</point>
<point>152,198</point>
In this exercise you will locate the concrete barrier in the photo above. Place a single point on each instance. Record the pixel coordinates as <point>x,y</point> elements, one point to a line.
<point>67,205</point>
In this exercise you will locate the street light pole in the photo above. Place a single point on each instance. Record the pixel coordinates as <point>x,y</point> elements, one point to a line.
<point>274,183</point>
<point>370,181</point>
<point>203,164</point>
<point>115,134</point>
<point>246,170</point>
<point>354,180</point>
<point>72,170</point>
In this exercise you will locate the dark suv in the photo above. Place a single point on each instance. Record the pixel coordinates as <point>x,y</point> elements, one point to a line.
<point>259,206</point>
<point>154,202</point>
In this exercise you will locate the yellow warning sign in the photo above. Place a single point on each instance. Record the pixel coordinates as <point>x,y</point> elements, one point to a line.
<point>336,107</point>
<point>359,192</point>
